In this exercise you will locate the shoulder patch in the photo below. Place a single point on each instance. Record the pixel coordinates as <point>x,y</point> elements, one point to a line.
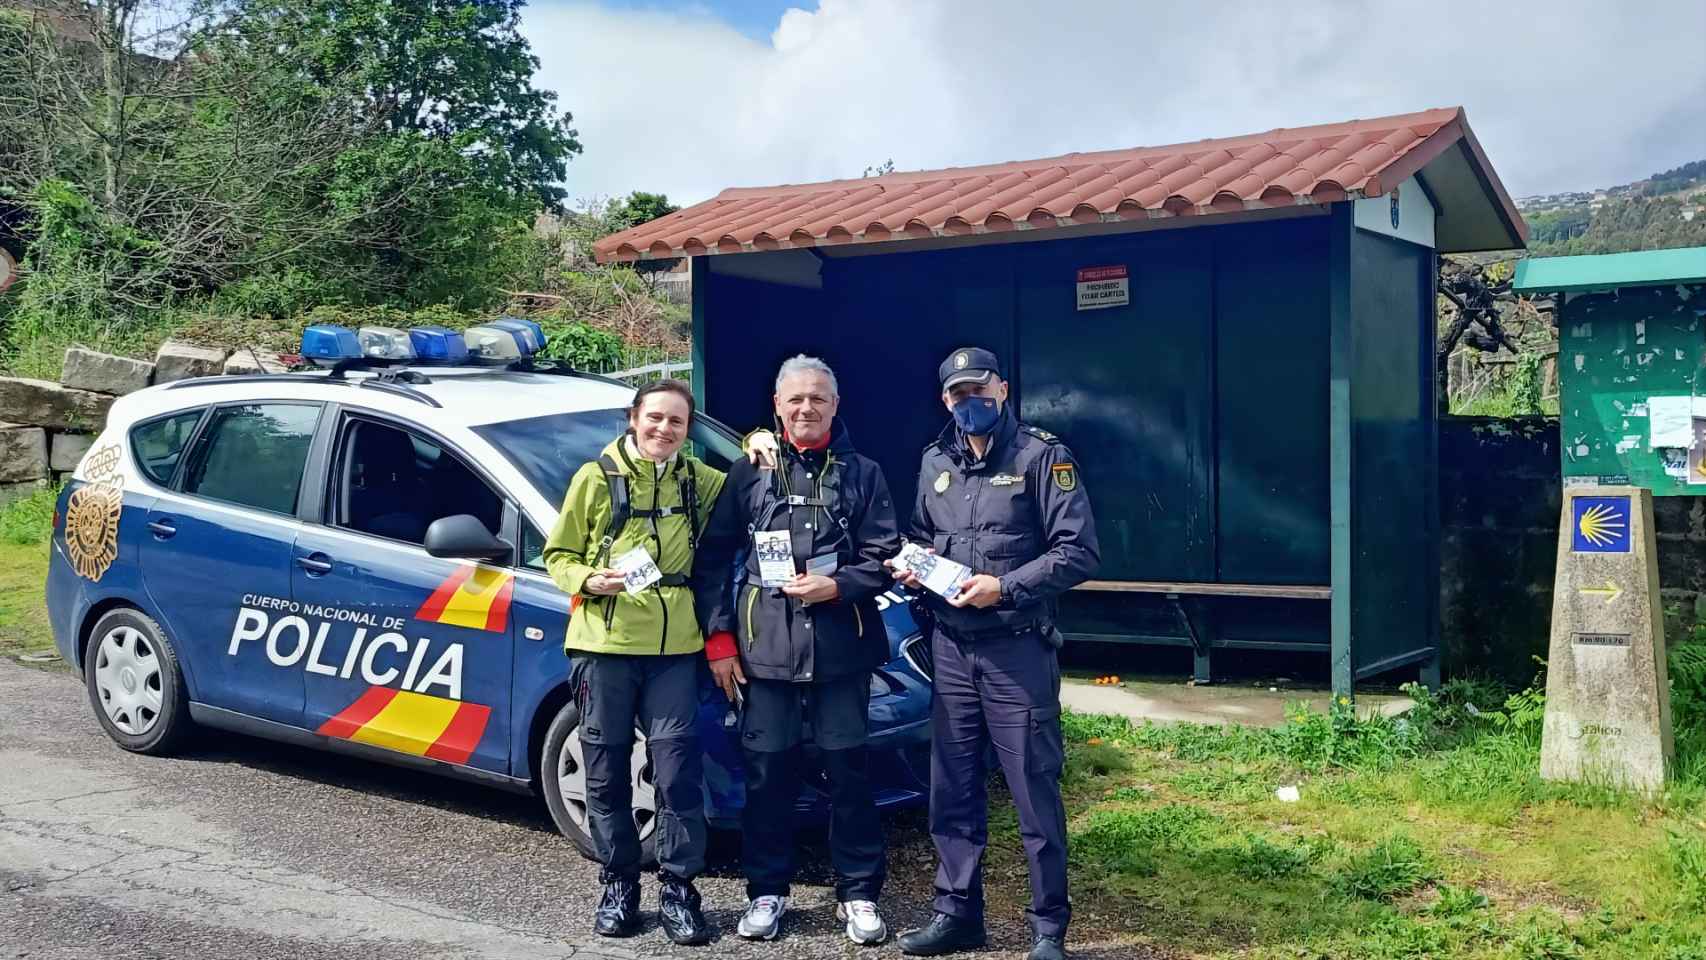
<point>1040,433</point>
<point>1065,476</point>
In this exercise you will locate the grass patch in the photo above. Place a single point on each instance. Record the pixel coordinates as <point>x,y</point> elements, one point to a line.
<point>25,525</point>
<point>23,617</point>
<point>1426,836</point>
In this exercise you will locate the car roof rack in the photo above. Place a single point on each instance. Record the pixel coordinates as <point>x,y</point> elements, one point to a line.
<point>560,368</point>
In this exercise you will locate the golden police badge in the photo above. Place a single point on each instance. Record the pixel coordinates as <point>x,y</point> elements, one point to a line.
<point>1065,476</point>
<point>943,481</point>
<point>92,512</point>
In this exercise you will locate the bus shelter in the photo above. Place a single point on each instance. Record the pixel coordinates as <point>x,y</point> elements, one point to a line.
<point>1235,337</point>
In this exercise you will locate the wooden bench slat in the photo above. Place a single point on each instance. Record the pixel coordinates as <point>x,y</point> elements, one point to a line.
<point>1272,590</point>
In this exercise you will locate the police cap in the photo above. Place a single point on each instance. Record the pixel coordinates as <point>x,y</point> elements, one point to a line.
<point>968,365</point>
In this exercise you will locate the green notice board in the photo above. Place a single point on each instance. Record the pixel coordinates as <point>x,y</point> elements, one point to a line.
<point>1632,386</point>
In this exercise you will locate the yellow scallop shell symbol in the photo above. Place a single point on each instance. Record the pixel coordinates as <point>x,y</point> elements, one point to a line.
<point>91,516</point>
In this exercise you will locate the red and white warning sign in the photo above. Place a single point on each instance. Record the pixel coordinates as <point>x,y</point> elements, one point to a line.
<point>1100,287</point>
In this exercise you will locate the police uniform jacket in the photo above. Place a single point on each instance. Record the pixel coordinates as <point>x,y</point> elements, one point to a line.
<point>1019,514</point>
<point>833,502</point>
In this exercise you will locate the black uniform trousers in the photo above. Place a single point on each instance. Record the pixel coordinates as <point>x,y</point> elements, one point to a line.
<point>772,727</point>
<point>1000,689</point>
<point>618,693</point>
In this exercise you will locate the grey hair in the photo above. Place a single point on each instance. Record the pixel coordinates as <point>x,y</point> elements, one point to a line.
<point>800,363</point>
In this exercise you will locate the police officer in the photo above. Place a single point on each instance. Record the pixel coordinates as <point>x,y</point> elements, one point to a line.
<point>1004,499</point>
<point>818,527</point>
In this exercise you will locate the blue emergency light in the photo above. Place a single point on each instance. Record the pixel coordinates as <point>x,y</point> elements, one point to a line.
<point>327,343</point>
<point>533,333</point>
<point>438,345</point>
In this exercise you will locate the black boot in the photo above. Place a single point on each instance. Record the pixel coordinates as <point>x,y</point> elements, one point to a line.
<point>943,934</point>
<point>618,913</point>
<point>1045,947</point>
<point>679,914</point>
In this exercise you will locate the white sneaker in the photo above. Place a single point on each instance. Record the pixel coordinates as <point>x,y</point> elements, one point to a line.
<point>763,918</point>
<point>864,924</point>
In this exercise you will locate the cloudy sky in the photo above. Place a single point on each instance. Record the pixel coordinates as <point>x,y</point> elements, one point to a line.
<point>688,98</point>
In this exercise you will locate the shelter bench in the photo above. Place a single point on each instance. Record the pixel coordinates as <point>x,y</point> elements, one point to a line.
<point>1199,631</point>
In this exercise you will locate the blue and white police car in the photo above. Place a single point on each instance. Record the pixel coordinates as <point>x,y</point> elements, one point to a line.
<point>350,558</point>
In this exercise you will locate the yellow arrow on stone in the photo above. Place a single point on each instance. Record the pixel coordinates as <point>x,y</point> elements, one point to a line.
<point>1610,591</point>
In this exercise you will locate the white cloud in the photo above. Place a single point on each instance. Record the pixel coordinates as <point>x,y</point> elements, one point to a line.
<point>1562,95</point>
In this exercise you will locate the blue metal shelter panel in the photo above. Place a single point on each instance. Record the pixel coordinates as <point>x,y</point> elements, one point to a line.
<point>1271,443</point>
<point>1131,389</point>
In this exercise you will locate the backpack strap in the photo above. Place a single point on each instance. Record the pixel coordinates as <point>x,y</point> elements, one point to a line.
<point>621,508</point>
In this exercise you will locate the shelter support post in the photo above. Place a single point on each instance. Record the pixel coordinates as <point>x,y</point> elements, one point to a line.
<point>1340,466</point>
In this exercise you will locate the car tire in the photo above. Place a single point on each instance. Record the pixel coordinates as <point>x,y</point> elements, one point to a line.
<point>562,780</point>
<point>135,685</point>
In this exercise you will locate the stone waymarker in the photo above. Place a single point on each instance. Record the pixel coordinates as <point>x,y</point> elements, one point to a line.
<point>1607,699</point>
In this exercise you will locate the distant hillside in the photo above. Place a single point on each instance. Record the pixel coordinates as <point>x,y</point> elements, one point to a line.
<point>1665,210</point>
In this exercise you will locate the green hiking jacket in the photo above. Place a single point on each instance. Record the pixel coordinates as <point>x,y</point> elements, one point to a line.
<point>660,619</point>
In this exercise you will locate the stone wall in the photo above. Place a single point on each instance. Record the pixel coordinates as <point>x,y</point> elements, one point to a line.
<point>46,427</point>
<point>1500,494</point>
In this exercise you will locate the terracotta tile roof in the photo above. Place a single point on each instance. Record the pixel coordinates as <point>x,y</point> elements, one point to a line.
<point>1280,168</point>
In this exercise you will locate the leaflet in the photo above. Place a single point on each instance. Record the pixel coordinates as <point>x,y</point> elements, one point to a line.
<point>938,574</point>
<point>639,570</point>
<point>775,552</point>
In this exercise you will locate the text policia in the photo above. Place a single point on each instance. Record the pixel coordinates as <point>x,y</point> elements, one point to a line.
<point>300,636</point>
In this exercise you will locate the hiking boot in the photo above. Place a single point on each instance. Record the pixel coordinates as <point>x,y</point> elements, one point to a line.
<point>618,913</point>
<point>763,918</point>
<point>679,913</point>
<point>944,934</point>
<point>864,924</point>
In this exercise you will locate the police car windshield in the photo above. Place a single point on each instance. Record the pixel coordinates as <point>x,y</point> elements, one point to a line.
<point>548,450</point>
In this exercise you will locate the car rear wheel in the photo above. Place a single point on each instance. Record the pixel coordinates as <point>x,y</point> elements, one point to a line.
<point>562,779</point>
<point>134,682</point>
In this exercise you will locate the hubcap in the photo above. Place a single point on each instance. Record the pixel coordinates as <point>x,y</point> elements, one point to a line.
<point>127,680</point>
<point>571,783</point>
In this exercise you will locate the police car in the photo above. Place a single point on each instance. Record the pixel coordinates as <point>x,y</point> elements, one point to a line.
<point>350,558</point>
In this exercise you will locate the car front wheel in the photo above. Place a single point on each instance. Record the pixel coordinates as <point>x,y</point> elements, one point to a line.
<point>134,683</point>
<point>563,781</point>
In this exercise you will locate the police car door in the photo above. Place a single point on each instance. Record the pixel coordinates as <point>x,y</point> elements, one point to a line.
<point>411,652</point>
<point>215,556</point>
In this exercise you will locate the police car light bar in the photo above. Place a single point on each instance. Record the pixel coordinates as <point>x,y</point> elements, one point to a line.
<point>490,343</point>
<point>327,343</point>
<point>385,343</point>
<point>438,345</point>
<point>530,335</point>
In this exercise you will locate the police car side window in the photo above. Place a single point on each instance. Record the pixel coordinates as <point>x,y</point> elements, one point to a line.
<point>253,454</point>
<point>158,444</point>
<point>394,483</point>
<point>532,547</point>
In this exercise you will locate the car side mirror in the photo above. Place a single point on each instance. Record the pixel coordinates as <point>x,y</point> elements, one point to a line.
<point>464,536</point>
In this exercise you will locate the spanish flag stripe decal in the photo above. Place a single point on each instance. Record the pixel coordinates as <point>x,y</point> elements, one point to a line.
<point>497,618</point>
<point>412,723</point>
<point>435,604</point>
<point>357,714</point>
<point>456,744</point>
<point>475,597</point>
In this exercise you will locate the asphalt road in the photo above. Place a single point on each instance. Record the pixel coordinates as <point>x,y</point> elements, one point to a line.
<point>242,848</point>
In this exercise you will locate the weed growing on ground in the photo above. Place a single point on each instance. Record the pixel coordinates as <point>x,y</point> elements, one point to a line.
<point>1122,840</point>
<point>1685,854</point>
<point>1457,901</point>
<point>1391,868</point>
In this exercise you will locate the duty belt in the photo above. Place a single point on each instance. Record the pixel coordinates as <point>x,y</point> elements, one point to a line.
<point>987,633</point>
